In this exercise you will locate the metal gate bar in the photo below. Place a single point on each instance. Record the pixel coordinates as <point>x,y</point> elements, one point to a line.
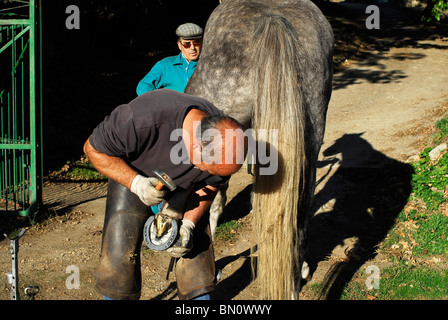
<point>20,108</point>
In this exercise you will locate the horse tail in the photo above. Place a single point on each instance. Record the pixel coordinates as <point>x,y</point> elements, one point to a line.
<point>279,112</point>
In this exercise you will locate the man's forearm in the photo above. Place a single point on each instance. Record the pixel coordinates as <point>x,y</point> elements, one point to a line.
<point>204,199</point>
<point>114,168</point>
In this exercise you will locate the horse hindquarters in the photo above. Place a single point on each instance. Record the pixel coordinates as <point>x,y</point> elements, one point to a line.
<point>287,98</point>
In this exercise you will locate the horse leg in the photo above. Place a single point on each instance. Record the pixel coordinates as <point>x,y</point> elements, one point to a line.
<point>217,208</point>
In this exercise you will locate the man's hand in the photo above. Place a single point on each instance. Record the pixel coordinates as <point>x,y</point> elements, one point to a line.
<point>144,189</point>
<point>186,234</point>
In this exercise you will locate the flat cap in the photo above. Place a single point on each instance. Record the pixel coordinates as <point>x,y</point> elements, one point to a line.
<point>189,31</point>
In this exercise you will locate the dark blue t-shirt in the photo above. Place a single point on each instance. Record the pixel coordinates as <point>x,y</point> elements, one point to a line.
<point>141,131</point>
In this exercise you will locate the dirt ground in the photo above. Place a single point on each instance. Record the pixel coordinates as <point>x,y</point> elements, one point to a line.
<point>382,109</point>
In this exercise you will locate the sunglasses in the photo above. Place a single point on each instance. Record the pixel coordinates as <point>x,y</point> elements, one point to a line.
<point>188,44</point>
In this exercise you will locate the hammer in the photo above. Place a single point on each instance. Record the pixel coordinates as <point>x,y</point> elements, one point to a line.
<point>164,180</point>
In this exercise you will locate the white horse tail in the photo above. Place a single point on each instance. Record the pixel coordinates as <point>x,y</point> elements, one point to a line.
<point>278,110</point>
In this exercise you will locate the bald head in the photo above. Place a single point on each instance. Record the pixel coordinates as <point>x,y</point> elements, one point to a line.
<point>222,145</point>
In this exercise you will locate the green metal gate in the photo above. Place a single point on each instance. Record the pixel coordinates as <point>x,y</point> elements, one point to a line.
<point>20,107</point>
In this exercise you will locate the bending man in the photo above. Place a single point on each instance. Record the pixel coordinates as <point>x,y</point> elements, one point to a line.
<point>164,130</point>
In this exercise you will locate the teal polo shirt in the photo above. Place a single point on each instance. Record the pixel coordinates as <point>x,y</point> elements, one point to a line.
<point>171,73</point>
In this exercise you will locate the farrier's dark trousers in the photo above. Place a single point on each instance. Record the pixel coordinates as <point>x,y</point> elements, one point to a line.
<point>118,273</point>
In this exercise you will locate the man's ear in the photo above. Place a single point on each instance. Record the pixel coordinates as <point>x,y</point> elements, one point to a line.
<point>197,145</point>
<point>197,152</point>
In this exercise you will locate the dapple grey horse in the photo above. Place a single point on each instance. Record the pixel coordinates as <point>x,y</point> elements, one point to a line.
<point>269,65</point>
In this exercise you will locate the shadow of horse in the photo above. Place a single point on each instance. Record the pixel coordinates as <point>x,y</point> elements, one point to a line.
<point>229,288</point>
<point>366,193</point>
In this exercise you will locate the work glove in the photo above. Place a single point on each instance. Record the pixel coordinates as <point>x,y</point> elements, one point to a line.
<point>144,189</point>
<point>186,234</point>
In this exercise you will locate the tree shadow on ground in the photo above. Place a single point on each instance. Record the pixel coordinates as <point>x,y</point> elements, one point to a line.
<point>367,192</point>
<point>399,28</point>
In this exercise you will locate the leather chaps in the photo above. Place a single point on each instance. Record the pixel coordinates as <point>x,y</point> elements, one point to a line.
<point>118,273</point>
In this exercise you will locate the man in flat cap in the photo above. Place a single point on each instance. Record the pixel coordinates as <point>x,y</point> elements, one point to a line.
<point>174,72</point>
